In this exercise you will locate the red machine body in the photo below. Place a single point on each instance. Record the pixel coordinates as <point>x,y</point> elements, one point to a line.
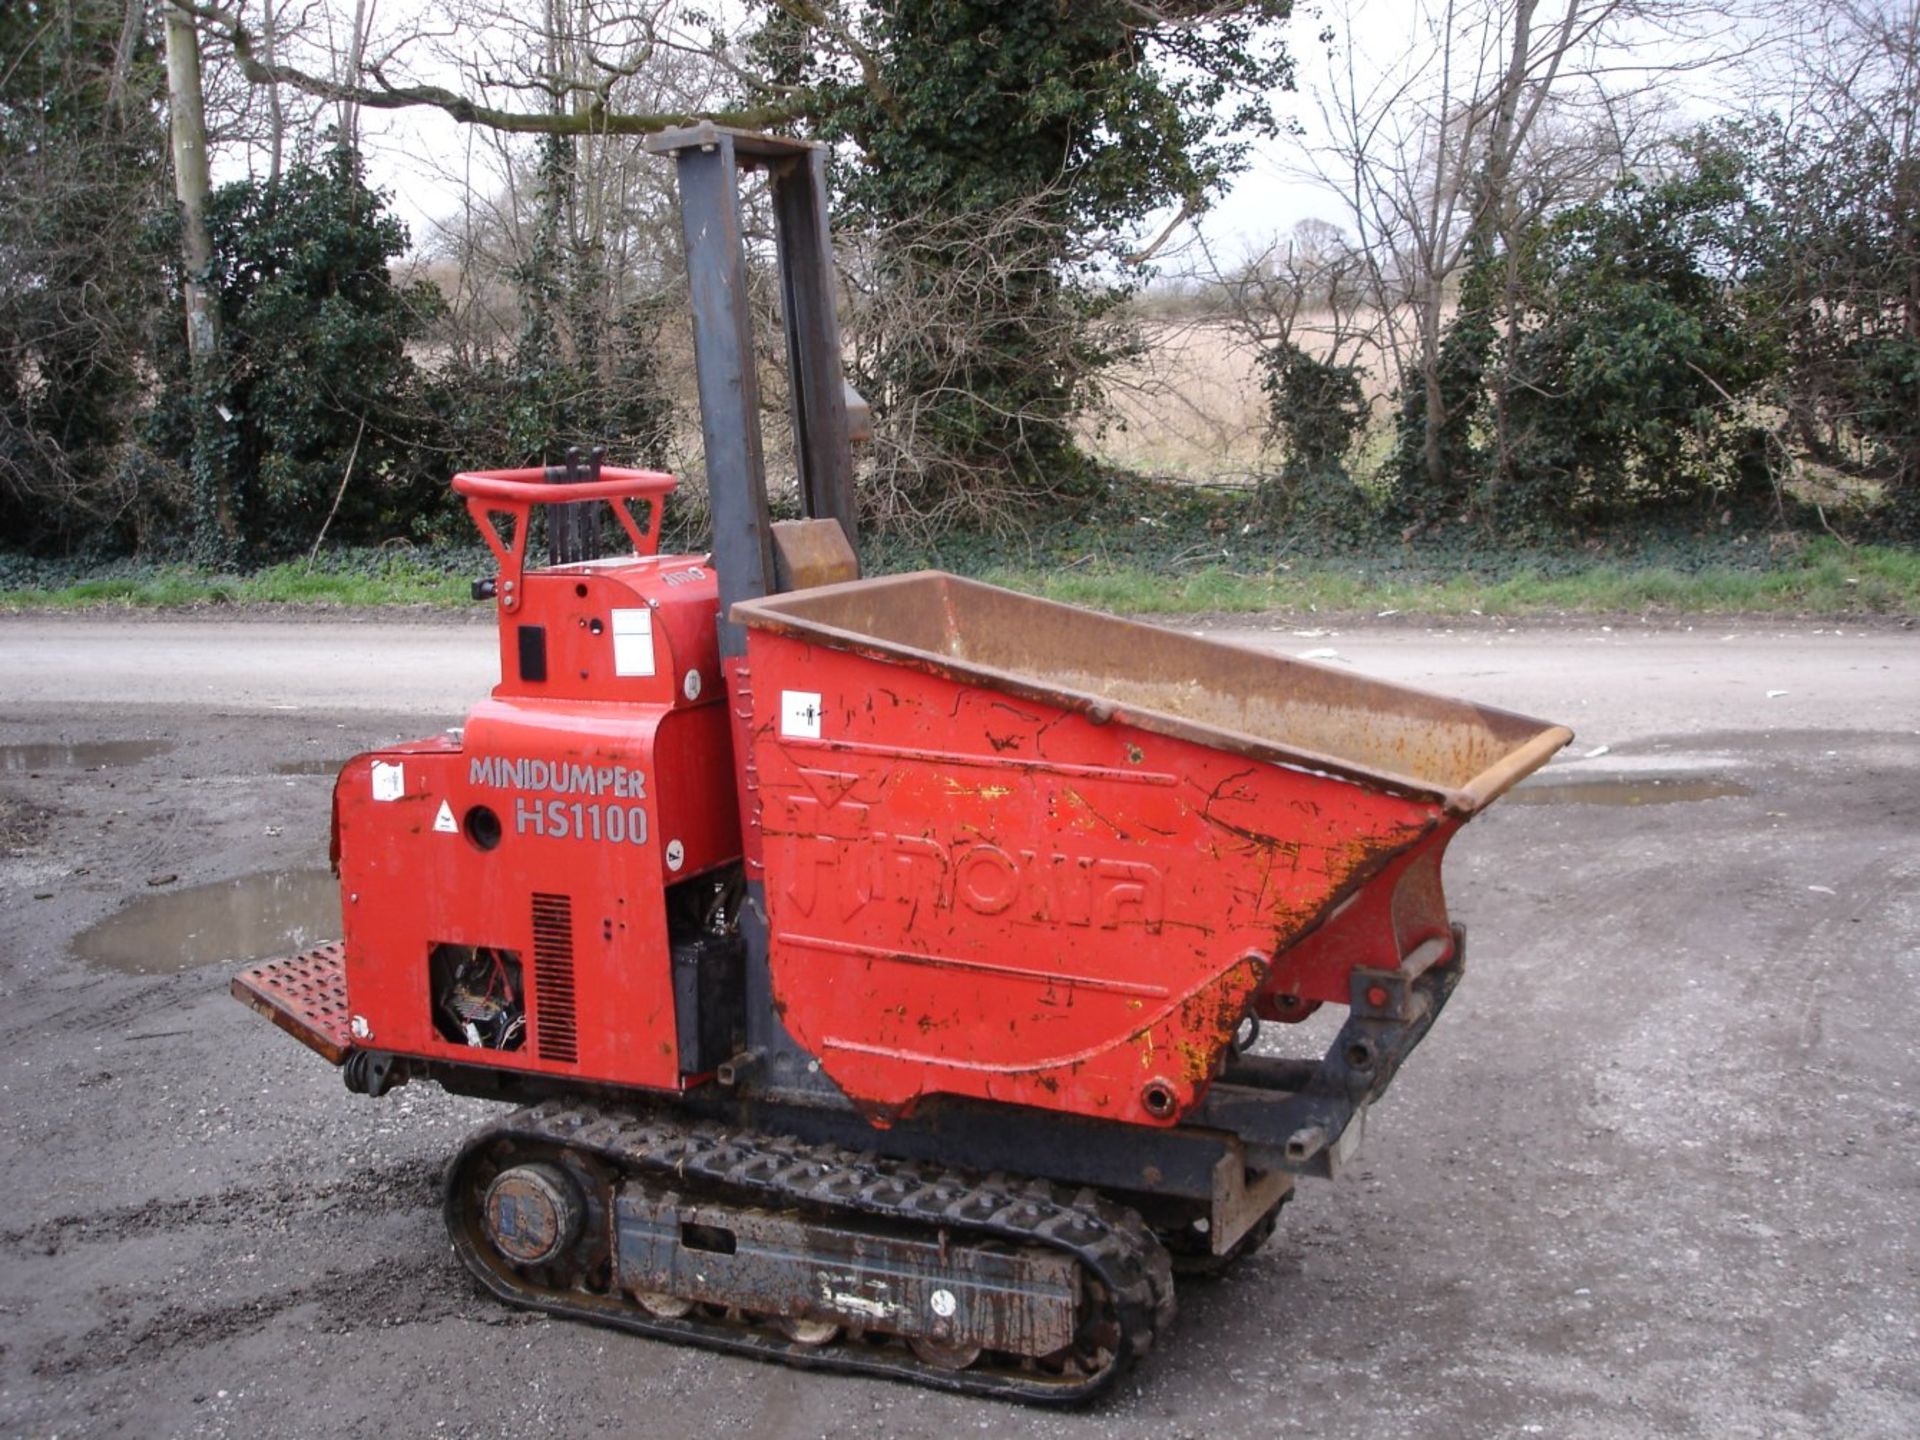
<point>598,775</point>
<point>1022,853</point>
<point>924,867</point>
<point>994,867</point>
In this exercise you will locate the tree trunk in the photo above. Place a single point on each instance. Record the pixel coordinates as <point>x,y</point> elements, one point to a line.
<point>355,69</point>
<point>1491,217</point>
<point>187,124</point>
<point>1432,453</point>
<point>1488,192</point>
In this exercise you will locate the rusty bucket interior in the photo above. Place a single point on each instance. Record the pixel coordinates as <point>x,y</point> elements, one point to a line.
<point>1211,692</point>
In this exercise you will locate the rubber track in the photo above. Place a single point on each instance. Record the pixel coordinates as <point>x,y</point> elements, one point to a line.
<point>747,1168</point>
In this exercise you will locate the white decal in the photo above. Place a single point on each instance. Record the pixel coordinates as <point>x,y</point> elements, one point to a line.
<point>847,1300</point>
<point>389,781</point>
<point>800,714</point>
<point>943,1303</point>
<point>676,855</point>
<point>633,642</point>
<point>361,1029</point>
<point>443,823</point>
<point>860,1305</point>
<point>691,685</point>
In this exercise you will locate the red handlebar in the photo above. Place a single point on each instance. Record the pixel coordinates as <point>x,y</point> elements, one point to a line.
<point>516,492</point>
<point>531,487</point>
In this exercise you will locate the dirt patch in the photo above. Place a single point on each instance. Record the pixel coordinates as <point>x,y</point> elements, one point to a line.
<point>22,825</point>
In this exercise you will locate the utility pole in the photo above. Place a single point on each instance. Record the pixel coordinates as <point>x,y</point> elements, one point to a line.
<point>187,124</point>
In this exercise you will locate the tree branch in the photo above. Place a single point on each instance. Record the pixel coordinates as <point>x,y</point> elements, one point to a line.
<point>591,119</point>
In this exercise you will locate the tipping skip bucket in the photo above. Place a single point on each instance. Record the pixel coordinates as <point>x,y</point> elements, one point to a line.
<point>1024,852</point>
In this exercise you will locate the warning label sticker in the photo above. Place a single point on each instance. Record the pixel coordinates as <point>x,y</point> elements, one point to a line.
<point>443,822</point>
<point>389,780</point>
<point>800,714</point>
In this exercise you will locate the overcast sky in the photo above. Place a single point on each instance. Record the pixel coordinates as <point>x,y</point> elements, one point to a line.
<point>422,155</point>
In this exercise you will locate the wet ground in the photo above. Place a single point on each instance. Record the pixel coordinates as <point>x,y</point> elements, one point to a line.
<point>1656,1172</point>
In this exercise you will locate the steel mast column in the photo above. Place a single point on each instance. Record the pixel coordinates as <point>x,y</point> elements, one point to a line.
<point>705,161</point>
<point>708,159</point>
<point>813,340</point>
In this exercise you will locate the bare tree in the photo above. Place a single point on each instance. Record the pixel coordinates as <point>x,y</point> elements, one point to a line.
<point>916,296</point>
<point>1313,290</point>
<point>1494,113</point>
<point>565,250</point>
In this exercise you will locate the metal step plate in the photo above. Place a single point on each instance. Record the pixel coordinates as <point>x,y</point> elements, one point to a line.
<point>305,995</point>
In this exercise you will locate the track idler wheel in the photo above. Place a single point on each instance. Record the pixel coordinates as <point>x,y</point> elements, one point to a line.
<point>532,1213</point>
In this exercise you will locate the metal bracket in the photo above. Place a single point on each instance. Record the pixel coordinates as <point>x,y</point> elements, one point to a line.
<point>1304,1117</point>
<point>1389,994</point>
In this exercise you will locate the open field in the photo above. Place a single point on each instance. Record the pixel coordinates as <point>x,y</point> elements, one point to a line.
<point>1191,406</point>
<point>1651,1176</point>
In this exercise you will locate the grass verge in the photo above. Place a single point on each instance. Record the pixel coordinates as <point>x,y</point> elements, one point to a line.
<point>1824,579</point>
<point>1820,578</point>
<point>365,579</point>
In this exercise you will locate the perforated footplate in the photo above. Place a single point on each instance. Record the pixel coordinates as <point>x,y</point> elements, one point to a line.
<point>305,995</point>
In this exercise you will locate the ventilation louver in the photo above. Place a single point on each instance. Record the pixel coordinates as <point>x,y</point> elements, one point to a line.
<point>556,1033</point>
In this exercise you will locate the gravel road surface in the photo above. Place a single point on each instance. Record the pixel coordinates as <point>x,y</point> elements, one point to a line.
<point>1655,1173</point>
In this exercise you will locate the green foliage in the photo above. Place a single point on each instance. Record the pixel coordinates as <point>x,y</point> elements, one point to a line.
<point>572,377</point>
<point>81,174</point>
<point>1823,579</point>
<point>1437,468</point>
<point>1315,407</point>
<point>1689,340</point>
<point>361,577</point>
<point>319,394</point>
<point>1702,577</point>
<point>527,407</point>
<point>1057,129</point>
<point>1595,369</point>
<point>1830,241</point>
<point>1183,549</point>
<point>1618,390</point>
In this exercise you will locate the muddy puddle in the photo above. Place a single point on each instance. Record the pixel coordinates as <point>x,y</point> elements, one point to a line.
<point>89,755</point>
<point>231,921</point>
<point>1628,791</point>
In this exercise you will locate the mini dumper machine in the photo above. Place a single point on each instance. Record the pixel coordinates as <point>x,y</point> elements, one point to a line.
<point>873,961</point>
